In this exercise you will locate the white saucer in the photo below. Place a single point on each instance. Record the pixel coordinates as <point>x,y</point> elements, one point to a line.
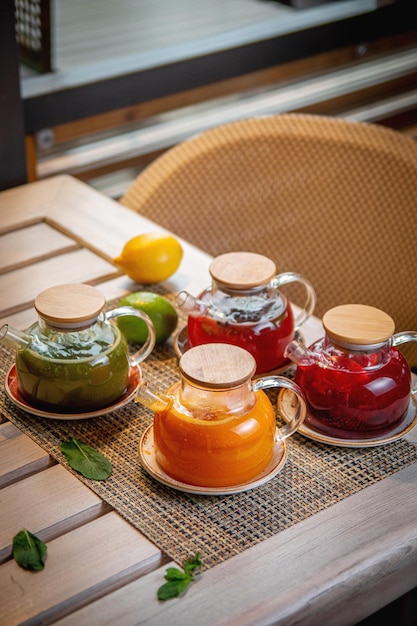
<point>148,460</point>
<point>398,431</point>
<point>13,392</point>
<point>181,346</point>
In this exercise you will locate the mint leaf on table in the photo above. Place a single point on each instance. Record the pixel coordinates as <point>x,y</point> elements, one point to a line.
<point>86,460</point>
<point>28,551</point>
<point>192,566</point>
<point>178,581</point>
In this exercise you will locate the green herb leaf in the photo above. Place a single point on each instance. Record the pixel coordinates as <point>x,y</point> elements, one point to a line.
<point>173,589</point>
<point>86,460</point>
<point>178,581</point>
<point>28,551</point>
<point>192,566</point>
<point>173,573</point>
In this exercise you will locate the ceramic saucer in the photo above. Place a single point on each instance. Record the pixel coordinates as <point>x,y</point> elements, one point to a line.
<point>150,464</point>
<point>13,393</point>
<point>181,346</point>
<point>398,431</point>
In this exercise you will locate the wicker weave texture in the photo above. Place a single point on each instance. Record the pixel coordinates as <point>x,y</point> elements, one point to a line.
<point>331,199</point>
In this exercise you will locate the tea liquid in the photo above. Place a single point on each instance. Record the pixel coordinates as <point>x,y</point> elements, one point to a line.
<point>215,449</point>
<point>350,403</point>
<point>58,380</point>
<point>264,334</point>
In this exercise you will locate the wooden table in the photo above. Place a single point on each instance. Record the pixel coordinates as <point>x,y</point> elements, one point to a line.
<point>337,566</point>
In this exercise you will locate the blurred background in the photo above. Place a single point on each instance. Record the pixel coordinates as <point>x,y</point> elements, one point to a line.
<point>98,88</point>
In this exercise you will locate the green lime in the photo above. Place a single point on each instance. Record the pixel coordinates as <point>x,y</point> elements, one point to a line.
<point>160,310</point>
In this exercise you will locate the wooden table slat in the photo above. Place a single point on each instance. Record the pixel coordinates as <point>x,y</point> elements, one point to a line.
<point>101,555</point>
<point>20,456</point>
<point>74,267</point>
<point>45,503</point>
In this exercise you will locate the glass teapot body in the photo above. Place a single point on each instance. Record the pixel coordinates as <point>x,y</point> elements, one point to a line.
<point>354,389</point>
<point>260,321</point>
<point>81,370</point>
<point>241,443</point>
<point>74,362</point>
<point>244,307</point>
<point>214,427</point>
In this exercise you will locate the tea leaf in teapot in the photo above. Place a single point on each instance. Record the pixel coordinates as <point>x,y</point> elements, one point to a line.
<point>86,460</point>
<point>178,581</point>
<point>28,551</point>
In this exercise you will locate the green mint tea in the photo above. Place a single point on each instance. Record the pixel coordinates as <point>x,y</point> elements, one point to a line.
<point>83,374</point>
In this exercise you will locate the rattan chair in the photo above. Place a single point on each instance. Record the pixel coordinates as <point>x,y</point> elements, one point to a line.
<point>331,199</point>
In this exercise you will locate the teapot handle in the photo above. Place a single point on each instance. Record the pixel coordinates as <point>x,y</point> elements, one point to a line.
<point>296,399</point>
<point>145,350</point>
<point>404,337</point>
<point>310,303</point>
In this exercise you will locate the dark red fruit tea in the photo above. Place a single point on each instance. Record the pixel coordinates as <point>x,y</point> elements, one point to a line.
<point>265,337</point>
<point>349,401</point>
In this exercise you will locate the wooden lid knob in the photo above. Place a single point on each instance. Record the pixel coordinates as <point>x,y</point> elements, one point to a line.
<point>358,324</point>
<point>217,365</point>
<point>73,305</point>
<point>242,270</point>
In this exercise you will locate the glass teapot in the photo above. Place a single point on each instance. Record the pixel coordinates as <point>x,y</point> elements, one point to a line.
<point>73,358</point>
<point>244,307</point>
<point>215,427</point>
<point>356,382</point>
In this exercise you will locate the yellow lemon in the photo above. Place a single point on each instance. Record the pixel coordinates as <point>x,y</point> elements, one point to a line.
<point>150,258</point>
<point>162,313</point>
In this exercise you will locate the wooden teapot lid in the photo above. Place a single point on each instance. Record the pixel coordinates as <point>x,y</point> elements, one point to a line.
<point>74,305</point>
<point>217,365</point>
<point>358,324</point>
<point>242,270</point>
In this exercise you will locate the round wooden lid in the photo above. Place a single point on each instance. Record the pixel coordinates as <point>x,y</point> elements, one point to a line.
<point>217,365</point>
<point>70,304</point>
<point>358,324</point>
<point>242,270</point>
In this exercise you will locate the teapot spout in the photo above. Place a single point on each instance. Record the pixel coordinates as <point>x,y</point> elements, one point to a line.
<point>151,398</point>
<point>14,338</point>
<point>299,353</point>
<point>190,304</point>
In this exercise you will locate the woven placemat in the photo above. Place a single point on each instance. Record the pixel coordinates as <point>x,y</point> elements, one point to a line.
<point>314,477</point>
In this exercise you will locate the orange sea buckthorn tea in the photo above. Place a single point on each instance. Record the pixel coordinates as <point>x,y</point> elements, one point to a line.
<point>244,307</point>
<point>215,427</point>
<point>356,381</point>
